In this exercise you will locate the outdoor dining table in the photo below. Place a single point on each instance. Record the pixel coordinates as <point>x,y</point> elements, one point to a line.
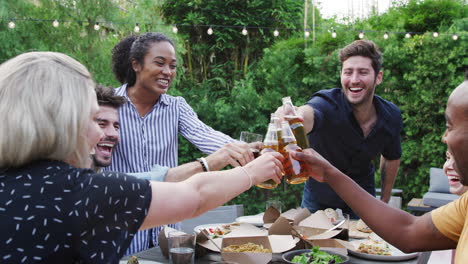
<point>154,256</point>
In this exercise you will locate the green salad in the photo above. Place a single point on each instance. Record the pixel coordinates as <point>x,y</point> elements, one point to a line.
<point>316,256</point>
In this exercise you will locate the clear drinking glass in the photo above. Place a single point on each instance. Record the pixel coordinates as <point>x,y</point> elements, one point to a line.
<point>249,137</point>
<point>181,247</point>
<point>274,203</point>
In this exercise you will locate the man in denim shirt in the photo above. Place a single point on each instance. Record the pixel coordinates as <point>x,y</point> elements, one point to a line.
<point>351,126</point>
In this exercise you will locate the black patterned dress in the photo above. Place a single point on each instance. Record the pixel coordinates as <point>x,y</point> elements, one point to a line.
<point>51,212</point>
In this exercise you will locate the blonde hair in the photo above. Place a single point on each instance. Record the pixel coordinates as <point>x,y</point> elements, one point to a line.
<point>45,106</point>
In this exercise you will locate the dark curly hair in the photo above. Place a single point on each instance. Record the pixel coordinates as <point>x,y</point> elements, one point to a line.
<point>106,96</point>
<point>133,47</point>
<point>365,48</point>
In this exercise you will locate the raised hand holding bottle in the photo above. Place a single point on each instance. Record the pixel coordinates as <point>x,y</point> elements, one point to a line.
<point>270,144</point>
<point>295,123</point>
<point>294,170</point>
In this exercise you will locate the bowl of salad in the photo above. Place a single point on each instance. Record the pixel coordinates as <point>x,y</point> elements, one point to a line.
<point>314,256</point>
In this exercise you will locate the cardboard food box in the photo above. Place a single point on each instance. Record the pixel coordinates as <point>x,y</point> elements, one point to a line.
<point>247,257</point>
<point>279,242</point>
<point>310,228</point>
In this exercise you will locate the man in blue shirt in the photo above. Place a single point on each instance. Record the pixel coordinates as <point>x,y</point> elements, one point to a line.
<point>108,120</point>
<point>352,126</point>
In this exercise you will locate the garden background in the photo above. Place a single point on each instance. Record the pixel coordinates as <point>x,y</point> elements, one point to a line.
<point>234,81</point>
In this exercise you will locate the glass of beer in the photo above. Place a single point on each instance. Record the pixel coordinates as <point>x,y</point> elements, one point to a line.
<point>249,137</point>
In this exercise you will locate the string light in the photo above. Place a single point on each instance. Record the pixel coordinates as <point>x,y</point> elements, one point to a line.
<point>11,24</point>
<point>56,24</point>
<point>244,31</point>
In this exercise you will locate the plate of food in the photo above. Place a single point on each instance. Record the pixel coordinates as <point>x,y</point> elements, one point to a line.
<point>375,248</point>
<point>217,230</point>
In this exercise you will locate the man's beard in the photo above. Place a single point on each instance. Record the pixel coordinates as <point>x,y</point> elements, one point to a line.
<point>97,163</point>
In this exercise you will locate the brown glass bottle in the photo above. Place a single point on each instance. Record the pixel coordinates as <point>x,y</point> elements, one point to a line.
<point>294,170</point>
<point>296,125</point>
<point>270,144</point>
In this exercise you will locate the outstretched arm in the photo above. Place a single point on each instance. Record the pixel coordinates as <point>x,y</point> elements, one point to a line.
<point>234,153</point>
<point>403,230</point>
<point>172,202</point>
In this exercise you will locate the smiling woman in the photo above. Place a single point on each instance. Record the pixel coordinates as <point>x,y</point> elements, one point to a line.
<point>152,120</point>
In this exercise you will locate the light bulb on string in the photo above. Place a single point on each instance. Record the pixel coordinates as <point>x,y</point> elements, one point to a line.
<point>408,35</point>
<point>435,34</point>
<point>244,31</point>
<point>137,28</point>
<point>96,26</point>
<point>385,36</point>
<point>55,23</point>
<point>454,36</point>
<point>361,35</point>
<point>306,33</point>
<point>175,29</point>
<point>276,33</point>
<point>334,34</point>
<point>210,31</point>
<point>11,24</point>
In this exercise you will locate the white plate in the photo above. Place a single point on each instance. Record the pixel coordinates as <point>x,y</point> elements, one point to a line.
<point>256,220</point>
<point>396,253</point>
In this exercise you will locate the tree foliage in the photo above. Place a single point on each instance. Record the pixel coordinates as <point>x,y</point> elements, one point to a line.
<point>225,56</point>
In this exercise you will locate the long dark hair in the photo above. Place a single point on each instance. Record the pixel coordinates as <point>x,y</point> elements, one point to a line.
<point>133,47</point>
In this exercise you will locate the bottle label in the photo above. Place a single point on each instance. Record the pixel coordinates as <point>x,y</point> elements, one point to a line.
<point>296,125</point>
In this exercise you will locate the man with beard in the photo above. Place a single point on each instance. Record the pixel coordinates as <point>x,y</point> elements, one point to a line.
<point>351,126</point>
<point>443,228</point>
<point>108,120</point>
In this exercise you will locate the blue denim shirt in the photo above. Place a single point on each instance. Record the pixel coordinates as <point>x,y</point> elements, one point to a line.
<point>337,136</point>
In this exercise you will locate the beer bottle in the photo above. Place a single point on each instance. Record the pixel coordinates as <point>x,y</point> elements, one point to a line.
<point>296,125</point>
<point>275,120</point>
<point>270,144</point>
<point>294,170</point>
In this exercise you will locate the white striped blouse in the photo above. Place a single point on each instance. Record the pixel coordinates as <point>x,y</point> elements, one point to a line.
<point>153,139</point>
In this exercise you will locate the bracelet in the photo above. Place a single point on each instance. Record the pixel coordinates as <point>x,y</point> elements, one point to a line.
<point>250,177</point>
<point>204,164</point>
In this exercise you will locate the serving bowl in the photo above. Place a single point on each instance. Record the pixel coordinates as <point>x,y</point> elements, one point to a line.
<point>288,256</point>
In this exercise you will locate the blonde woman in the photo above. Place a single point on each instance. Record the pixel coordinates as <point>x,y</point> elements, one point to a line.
<point>52,208</point>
